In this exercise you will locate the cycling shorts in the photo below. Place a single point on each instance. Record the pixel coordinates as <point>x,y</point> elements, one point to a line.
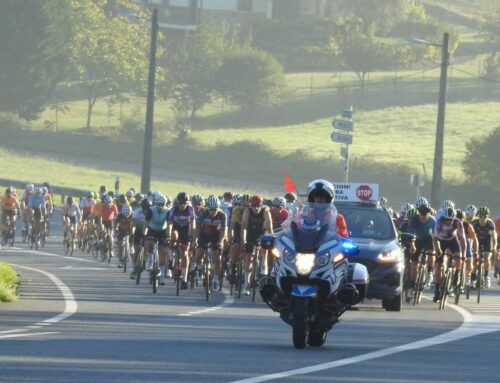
<point>157,236</point>
<point>485,245</point>
<point>205,239</point>
<point>138,235</point>
<point>122,234</point>
<point>182,234</point>
<point>8,213</point>
<point>237,233</point>
<point>108,224</point>
<point>72,219</point>
<point>426,245</point>
<point>250,245</point>
<point>86,216</point>
<point>37,214</point>
<point>451,244</point>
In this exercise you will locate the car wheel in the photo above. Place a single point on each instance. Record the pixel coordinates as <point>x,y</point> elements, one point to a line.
<point>392,304</point>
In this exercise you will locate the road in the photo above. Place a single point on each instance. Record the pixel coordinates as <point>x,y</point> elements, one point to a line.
<point>79,320</point>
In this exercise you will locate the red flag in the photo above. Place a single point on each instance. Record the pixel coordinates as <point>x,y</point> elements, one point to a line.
<point>289,185</point>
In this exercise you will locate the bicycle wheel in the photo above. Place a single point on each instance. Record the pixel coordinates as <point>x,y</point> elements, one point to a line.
<point>446,289</point>
<point>419,284</point>
<point>459,284</point>
<point>239,277</point>
<point>154,274</point>
<point>253,280</point>
<point>479,279</point>
<point>125,255</point>
<point>207,277</point>
<point>177,272</point>
<point>139,266</point>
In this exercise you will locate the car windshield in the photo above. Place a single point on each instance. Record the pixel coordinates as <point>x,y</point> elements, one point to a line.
<point>368,223</point>
<point>310,225</point>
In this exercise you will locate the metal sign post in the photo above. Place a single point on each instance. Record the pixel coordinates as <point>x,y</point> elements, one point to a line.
<point>346,125</point>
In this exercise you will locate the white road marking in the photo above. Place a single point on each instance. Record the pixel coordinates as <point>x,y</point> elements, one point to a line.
<point>12,331</point>
<point>70,308</point>
<point>83,268</point>
<point>19,250</point>
<point>473,325</point>
<point>228,300</point>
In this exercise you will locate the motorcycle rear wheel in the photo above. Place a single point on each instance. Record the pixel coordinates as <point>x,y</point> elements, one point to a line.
<point>299,323</point>
<point>316,338</point>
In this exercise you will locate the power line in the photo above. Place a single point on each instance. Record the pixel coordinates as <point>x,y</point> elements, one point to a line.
<point>484,78</point>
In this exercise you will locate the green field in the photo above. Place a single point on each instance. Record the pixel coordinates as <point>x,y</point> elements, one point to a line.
<point>38,169</point>
<point>8,283</point>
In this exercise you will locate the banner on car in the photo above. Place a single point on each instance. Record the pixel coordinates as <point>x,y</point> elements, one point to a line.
<point>356,192</point>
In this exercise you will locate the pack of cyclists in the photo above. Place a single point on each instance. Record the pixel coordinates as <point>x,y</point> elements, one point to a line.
<point>231,225</point>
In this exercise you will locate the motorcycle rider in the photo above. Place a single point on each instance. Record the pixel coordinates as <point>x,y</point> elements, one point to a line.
<point>321,191</point>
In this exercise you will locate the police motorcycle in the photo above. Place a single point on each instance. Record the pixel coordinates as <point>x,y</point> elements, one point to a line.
<point>312,282</point>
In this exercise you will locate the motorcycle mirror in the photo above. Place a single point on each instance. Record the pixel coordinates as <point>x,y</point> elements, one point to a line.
<point>267,241</point>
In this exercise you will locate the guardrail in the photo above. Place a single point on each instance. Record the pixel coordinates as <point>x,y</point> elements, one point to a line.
<point>59,190</point>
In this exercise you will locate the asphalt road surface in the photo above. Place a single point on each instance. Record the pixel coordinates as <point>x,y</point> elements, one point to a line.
<point>79,320</point>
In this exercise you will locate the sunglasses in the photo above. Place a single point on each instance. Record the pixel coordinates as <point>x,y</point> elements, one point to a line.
<point>256,206</point>
<point>212,209</point>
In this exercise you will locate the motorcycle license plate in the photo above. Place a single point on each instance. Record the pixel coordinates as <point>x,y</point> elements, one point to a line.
<point>304,291</point>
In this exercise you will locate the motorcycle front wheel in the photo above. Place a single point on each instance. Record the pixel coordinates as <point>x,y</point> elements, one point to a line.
<point>299,323</point>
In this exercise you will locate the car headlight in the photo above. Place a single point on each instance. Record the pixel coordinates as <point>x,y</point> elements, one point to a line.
<point>305,263</point>
<point>387,256</point>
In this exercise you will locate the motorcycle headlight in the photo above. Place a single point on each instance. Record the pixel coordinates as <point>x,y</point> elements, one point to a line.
<point>387,256</point>
<point>304,263</point>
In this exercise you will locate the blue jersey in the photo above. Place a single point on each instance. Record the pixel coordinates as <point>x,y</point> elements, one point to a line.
<point>422,230</point>
<point>36,202</point>
<point>157,220</point>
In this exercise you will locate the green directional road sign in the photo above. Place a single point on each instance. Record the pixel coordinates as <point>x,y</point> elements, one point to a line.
<point>346,113</point>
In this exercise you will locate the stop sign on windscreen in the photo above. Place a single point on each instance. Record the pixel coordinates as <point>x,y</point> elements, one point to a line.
<point>364,192</point>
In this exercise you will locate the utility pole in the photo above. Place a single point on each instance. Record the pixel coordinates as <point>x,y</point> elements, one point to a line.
<point>148,134</point>
<point>437,173</point>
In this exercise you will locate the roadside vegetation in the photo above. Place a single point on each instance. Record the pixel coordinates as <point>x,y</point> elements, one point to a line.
<point>8,283</point>
<point>249,101</point>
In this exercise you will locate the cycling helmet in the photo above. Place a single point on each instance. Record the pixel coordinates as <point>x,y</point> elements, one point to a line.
<point>96,195</point>
<point>290,197</point>
<point>107,199</point>
<point>245,198</point>
<point>237,199</point>
<point>139,197</point>
<point>213,202</point>
<point>88,194</point>
<point>182,197</point>
<point>10,189</point>
<point>424,209</point>
<point>460,214</point>
<point>30,187</point>
<point>411,213</point>
<point>256,200</point>
<point>38,190</point>
<point>69,200</point>
<point>122,200</point>
<point>126,210</point>
<point>470,210</point>
<point>279,201</point>
<point>161,200</point>
<point>130,193</point>
<point>145,204</point>
<point>421,201</point>
<point>227,195</point>
<point>197,199</point>
<point>169,200</point>
<point>448,203</point>
<point>483,212</point>
<point>406,207</point>
<point>320,188</point>
<point>111,194</point>
<point>448,212</point>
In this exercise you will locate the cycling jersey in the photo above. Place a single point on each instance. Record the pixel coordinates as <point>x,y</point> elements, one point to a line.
<point>484,233</point>
<point>237,214</point>
<point>70,210</point>
<point>123,223</point>
<point>9,203</point>
<point>181,218</point>
<point>422,230</point>
<point>211,224</point>
<point>108,212</point>
<point>157,220</point>
<point>138,218</point>
<point>447,232</point>
<point>278,216</point>
<point>26,197</point>
<point>36,202</point>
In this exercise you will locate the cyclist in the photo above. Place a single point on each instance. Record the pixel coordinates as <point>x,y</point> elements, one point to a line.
<point>108,212</point>
<point>70,211</point>
<point>10,208</point>
<point>402,219</point>
<point>155,225</point>
<point>234,232</point>
<point>129,195</point>
<point>255,222</point>
<point>486,234</point>
<point>198,203</point>
<point>448,237</point>
<point>38,210</point>
<point>291,203</point>
<point>87,204</point>
<point>471,245</point>
<point>25,197</point>
<point>125,230</point>
<point>138,219</point>
<point>496,221</point>
<point>211,228</point>
<point>422,226</point>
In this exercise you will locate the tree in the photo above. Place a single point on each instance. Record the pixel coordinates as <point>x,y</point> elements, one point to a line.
<point>491,68</point>
<point>35,37</point>
<point>481,159</point>
<point>109,50</point>
<point>250,78</point>
<point>360,52</point>
<point>192,64</point>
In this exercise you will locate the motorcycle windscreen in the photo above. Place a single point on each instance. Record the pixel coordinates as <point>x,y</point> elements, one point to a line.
<point>308,291</point>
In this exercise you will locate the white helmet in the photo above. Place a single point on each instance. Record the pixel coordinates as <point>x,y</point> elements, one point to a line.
<point>448,212</point>
<point>448,203</point>
<point>421,201</point>
<point>213,202</point>
<point>406,207</point>
<point>30,187</point>
<point>470,210</point>
<point>320,188</point>
<point>130,193</point>
<point>160,200</point>
<point>126,210</point>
